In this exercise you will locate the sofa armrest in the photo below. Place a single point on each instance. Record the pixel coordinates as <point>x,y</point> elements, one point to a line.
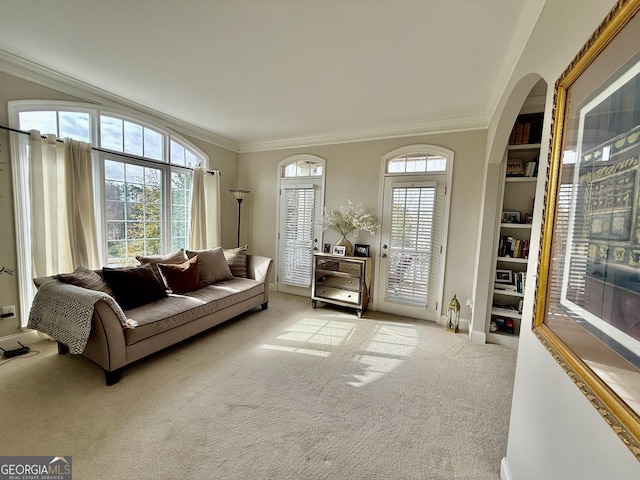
<point>106,343</point>
<point>259,268</point>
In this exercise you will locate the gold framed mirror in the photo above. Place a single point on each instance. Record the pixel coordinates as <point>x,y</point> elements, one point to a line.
<point>587,306</point>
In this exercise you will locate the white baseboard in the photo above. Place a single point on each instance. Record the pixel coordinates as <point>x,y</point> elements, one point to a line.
<point>505,473</point>
<point>478,337</point>
<point>25,337</point>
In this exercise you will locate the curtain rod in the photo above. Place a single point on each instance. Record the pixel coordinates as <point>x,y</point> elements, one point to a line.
<point>95,149</point>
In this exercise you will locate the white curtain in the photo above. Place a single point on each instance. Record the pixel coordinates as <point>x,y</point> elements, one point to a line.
<point>50,245</point>
<point>57,209</point>
<point>83,235</point>
<point>205,210</point>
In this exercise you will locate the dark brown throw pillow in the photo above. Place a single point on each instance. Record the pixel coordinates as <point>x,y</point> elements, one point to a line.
<point>181,278</point>
<point>86,278</point>
<point>237,260</point>
<point>134,286</point>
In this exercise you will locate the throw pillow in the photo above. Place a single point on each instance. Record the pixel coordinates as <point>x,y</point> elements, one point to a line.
<point>134,286</point>
<point>181,278</point>
<point>85,278</point>
<point>175,257</point>
<point>212,265</point>
<point>237,260</point>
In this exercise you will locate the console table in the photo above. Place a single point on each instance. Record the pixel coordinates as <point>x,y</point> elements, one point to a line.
<point>341,281</point>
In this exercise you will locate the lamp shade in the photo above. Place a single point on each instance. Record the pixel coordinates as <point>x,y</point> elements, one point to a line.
<point>239,193</point>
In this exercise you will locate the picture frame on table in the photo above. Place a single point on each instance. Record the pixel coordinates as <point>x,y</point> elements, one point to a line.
<point>588,277</point>
<point>326,248</point>
<point>339,250</point>
<point>360,250</point>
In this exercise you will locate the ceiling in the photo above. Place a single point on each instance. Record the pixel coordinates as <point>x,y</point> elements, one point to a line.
<point>267,73</point>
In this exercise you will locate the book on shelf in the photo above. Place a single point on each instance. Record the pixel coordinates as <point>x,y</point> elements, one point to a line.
<point>530,168</point>
<point>505,286</point>
<point>512,247</point>
<point>520,281</point>
<point>527,129</point>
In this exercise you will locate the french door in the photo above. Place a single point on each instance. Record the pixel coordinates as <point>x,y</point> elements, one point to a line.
<point>411,248</point>
<point>299,234</point>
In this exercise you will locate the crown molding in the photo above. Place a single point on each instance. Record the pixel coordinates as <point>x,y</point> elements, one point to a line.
<point>32,72</point>
<point>461,124</point>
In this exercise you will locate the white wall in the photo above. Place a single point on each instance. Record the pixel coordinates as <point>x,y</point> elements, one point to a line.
<point>353,171</point>
<point>555,433</point>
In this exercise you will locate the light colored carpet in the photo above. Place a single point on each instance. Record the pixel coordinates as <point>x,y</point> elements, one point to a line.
<point>287,393</point>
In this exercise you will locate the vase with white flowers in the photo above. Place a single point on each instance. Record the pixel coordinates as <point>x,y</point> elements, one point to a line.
<point>346,220</point>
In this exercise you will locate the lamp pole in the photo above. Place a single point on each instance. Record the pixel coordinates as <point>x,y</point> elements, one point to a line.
<point>239,194</point>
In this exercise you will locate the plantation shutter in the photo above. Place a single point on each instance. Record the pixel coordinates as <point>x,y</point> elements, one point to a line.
<point>300,206</point>
<point>563,233</point>
<point>414,244</point>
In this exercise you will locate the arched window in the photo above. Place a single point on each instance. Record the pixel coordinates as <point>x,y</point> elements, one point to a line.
<point>143,180</point>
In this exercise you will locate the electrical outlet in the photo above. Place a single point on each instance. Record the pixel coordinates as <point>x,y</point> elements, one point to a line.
<point>469,303</point>
<point>9,311</point>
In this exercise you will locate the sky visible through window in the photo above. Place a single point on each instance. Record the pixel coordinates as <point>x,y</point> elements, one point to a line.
<point>134,191</point>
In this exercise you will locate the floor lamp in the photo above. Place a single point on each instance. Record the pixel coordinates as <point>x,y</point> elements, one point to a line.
<point>239,194</point>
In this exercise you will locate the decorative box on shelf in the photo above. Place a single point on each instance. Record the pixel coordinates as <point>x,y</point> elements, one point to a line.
<point>343,281</point>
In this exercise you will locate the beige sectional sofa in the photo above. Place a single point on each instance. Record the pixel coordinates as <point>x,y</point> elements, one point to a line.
<point>160,323</point>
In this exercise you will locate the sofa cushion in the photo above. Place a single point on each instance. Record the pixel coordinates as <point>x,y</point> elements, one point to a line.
<point>134,286</point>
<point>181,278</point>
<point>176,310</point>
<point>237,260</point>
<point>86,278</point>
<point>175,257</point>
<point>212,265</point>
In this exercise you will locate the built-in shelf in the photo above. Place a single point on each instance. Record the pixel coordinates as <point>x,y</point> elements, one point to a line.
<point>507,339</point>
<point>524,146</point>
<point>518,193</point>
<point>505,312</point>
<point>523,226</point>
<point>513,260</point>
<point>509,293</point>
<point>521,179</point>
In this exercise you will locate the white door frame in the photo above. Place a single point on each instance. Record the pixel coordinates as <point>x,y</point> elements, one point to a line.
<point>433,150</point>
<point>319,181</point>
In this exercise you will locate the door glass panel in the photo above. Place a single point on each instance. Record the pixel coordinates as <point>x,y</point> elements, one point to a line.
<point>298,236</point>
<point>410,245</point>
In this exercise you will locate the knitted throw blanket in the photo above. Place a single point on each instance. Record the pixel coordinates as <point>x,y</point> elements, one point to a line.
<point>63,311</point>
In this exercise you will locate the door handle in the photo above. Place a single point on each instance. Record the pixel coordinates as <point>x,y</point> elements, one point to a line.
<point>384,255</point>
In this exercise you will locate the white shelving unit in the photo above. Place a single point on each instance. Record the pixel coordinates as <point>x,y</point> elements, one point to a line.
<point>518,196</point>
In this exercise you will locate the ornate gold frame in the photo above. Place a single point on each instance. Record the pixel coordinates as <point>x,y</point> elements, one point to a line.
<point>624,420</point>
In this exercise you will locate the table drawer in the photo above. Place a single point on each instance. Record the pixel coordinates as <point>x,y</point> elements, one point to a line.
<point>340,282</point>
<point>354,269</point>
<point>338,294</point>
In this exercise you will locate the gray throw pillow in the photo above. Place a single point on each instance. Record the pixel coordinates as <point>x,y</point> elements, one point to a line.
<point>212,265</point>
<point>237,260</point>
<point>85,278</point>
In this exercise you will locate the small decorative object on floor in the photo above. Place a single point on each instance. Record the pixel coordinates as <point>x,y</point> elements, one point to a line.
<point>453,315</point>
